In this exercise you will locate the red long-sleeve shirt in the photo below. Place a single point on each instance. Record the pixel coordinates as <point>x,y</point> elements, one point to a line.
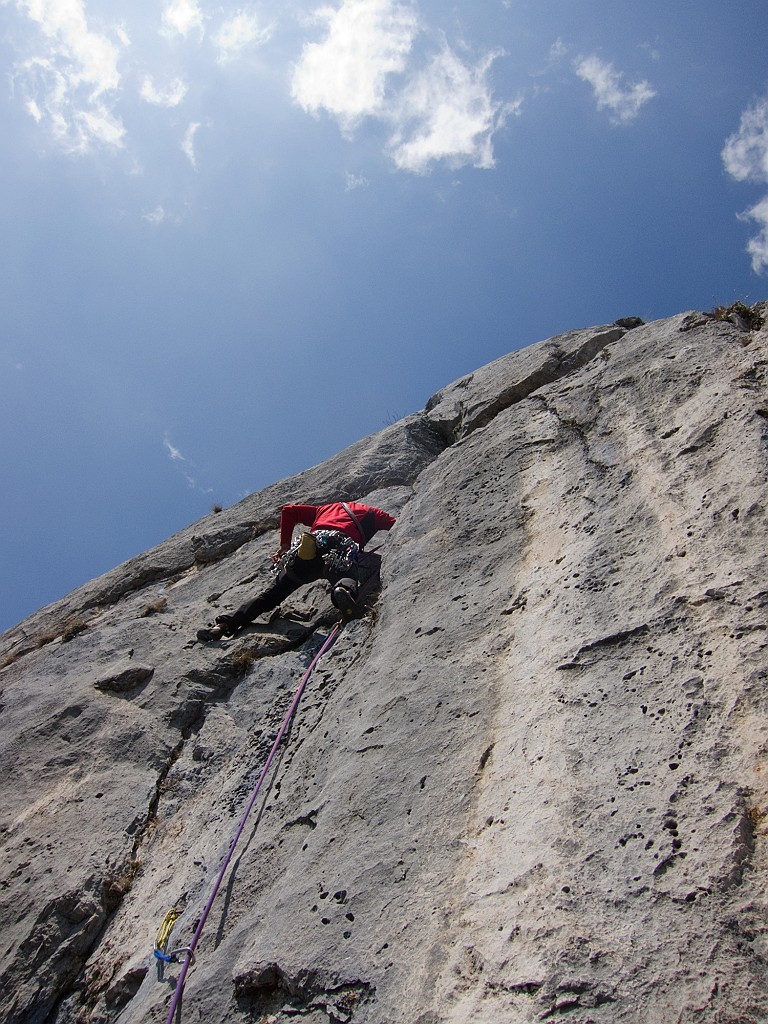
<point>334,517</point>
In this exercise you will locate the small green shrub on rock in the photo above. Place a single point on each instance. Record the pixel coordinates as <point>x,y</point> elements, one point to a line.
<point>752,316</point>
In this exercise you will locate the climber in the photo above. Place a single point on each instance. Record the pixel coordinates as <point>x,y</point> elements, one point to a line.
<point>329,551</point>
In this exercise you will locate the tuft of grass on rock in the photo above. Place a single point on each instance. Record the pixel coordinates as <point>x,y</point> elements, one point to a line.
<point>67,631</point>
<point>241,660</point>
<point>154,607</point>
<point>72,627</point>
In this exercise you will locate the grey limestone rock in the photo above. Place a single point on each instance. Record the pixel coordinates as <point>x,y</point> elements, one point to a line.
<point>528,784</point>
<point>123,676</point>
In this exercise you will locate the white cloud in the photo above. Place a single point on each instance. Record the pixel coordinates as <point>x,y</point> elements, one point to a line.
<point>160,215</point>
<point>242,30</point>
<point>71,85</point>
<point>443,111</point>
<point>346,74</point>
<point>446,112</point>
<point>157,216</point>
<point>93,57</point>
<point>170,96</point>
<point>557,50</point>
<point>653,51</point>
<point>183,462</point>
<point>745,153</point>
<point>188,143</point>
<point>433,107</point>
<point>355,181</point>
<point>173,453</point>
<point>623,101</point>
<point>557,54</point>
<point>757,247</point>
<point>100,124</point>
<point>175,456</point>
<point>182,17</point>
<point>34,110</point>
<point>745,157</point>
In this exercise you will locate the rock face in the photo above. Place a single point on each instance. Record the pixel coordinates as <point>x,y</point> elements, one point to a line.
<point>531,783</point>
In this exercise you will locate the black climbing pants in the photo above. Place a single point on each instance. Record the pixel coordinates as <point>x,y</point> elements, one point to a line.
<point>288,580</point>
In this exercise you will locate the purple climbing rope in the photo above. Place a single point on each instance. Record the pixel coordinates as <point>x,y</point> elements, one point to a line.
<point>190,949</point>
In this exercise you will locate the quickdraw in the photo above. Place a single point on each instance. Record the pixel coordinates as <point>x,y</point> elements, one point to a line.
<point>165,929</point>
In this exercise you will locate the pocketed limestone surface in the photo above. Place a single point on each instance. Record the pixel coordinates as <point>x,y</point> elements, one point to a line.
<point>528,784</point>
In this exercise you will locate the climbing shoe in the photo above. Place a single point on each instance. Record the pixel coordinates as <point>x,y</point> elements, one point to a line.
<point>344,596</point>
<point>224,627</point>
<point>209,634</point>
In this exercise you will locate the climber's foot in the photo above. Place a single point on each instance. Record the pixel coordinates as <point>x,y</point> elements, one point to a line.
<point>211,633</point>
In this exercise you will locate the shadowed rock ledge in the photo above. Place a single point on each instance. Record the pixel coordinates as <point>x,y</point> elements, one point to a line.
<point>529,784</point>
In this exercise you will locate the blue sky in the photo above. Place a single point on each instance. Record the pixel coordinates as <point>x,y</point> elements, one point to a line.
<point>238,237</point>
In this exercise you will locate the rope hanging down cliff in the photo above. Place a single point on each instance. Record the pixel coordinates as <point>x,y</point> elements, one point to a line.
<point>190,949</point>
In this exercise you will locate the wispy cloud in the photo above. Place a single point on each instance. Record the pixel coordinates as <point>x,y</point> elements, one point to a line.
<point>173,452</point>
<point>757,247</point>
<point>446,112</point>
<point>184,465</point>
<point>71,83</point>
<point>181,462</point>
<point>652,50</point>
<point>156,216</point>
<point>242,30</point>
<point>745,158</point>
<point>346,74</point>
<point>170,96</point>
<point>188,143</point>
<point>623,102</point>
<point>355,181</point>
<point>182,17</point>
<point>557,50</point>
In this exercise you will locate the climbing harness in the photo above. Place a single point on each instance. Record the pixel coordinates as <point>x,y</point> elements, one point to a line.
<point>337,550</point>
<point>168,923</point>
